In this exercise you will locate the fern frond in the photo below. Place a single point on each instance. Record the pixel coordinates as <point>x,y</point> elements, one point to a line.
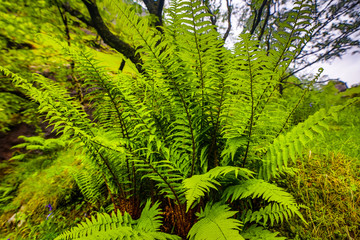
<point>119,226</point>
<point>154,51</point>
<point>215,222</point>
<point>222,171</point>
<point>91,183</point>
<point>103,222</point>
<point>274,212</point>
<point>259,233</point>
<point>243,126</point>
<point>291,36</point>
<point>42,144</point>
<point>164,174</point>
<point>257,188</point>
<point>290,145</point>
<point>196,186</point>
<point>66,115</point>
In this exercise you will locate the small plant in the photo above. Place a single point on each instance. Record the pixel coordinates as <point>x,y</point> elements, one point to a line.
<point>49,147</point>
<point>329,186</point>
<point>50,210</point>
<point>201,131</point>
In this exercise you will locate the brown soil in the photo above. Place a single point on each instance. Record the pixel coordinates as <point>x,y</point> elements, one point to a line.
<point>10,139</point>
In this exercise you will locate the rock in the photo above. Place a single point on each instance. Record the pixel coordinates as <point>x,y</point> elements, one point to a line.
<point>18,217</point>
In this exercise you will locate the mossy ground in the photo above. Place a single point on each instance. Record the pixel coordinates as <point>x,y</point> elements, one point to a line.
<point>329,185</point>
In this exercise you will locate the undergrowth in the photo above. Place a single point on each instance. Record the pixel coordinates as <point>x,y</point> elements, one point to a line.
<point>330,187</point>
<point>192,147</point>
<point>34,181</point>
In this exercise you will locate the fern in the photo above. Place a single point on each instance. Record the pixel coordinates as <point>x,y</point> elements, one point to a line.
<point>165,175</point>
<point>91,184</point>
<point>290,145</point>
<point>118,226</point>
<point>197,185</point>
<point>47,146</point>
<point>285,206</point>
<point>215,222</point>
<point>259,233</point>
<point>196,119</point>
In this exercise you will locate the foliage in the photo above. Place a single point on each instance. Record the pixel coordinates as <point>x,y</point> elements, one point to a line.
<point>341,133</point>
<point>118,226</point>
<point>34,182</point>
<point>258,188</point>
<point>329,185</point>
<point>22,52</point>
<point>196,118</point>
<point>254,232</point>
<point>215,222</point>
<point>37,143</point>
<point>333,32</point>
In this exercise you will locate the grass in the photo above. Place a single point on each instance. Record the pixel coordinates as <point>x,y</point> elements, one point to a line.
<point>329,185</point>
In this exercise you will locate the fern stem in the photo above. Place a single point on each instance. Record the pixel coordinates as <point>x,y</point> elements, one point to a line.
<point>299,101</point>
<point>217,124</point>
<point>200,65</point>
<point>107,163</point>
<point>252,108</point>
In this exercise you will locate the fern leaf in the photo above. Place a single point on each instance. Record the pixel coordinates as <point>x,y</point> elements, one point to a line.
<point>276,158</point>
<point>259,233</point>
<point>103,222</point>
<point>196,187</point>
<point>238,171</point>
<point>150,220</point>
<point>257,188</point>
<point>91,183</point>
<point>275,213</point>
<point>164,174</point>
<point>119,226</point>
<point>215,223</point>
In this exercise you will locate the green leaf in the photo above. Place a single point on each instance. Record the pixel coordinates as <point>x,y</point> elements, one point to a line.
<point>215,223</point>
<point>196,187</point>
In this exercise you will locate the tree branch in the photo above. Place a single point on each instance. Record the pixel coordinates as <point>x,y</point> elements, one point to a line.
<point>265,21</point>
<point>156,8</point>
<point>75,13</point>
<point>257,18</point>
<point>229,11</point>
<point>108,37</point>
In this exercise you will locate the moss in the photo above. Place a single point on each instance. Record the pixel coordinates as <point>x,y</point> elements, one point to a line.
<point>329,185</point>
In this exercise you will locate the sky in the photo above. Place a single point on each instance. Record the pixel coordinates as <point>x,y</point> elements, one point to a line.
<point>347,69</point>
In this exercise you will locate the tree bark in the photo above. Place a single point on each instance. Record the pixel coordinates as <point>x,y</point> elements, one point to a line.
<point>155,7</point>
<point>109,38</point>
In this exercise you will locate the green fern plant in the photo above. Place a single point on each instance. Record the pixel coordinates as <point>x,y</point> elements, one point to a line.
<point>37,143</point>
<point>198,127</point>
<point>120,226</point>
<point>216,222</point>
